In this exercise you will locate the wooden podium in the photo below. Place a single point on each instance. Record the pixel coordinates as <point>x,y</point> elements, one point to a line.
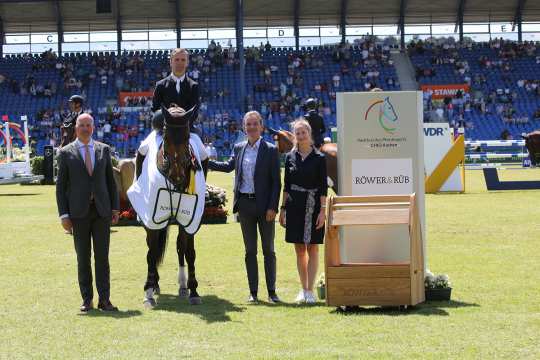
<point>390,284</point>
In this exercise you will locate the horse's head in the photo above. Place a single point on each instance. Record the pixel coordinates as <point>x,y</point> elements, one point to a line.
<point>534,134</point>
<point>176,153</point>
<point>284,139</point>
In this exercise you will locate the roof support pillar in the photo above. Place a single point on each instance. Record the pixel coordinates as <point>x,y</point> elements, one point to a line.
<point>296,12</point>
<point>239,4</point>
<point>343,19</point>
<point>59,26</point>
<point>518,18</point>
<point>401,23</point>
<point>177,22</point>
<point>459,20</point>
<point>118,28</point>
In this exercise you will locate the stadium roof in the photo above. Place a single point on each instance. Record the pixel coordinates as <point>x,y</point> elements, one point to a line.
<point>80,15</point>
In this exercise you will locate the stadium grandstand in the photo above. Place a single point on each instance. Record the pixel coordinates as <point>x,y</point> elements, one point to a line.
<point>268,56</point>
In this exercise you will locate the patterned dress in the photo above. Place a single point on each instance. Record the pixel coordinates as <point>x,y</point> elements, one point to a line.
<point>305,182</point>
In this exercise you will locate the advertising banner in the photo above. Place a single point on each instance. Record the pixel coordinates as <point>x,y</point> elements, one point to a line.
<point>437,143</point>
<point>381,152</point>
<point>443,91</point>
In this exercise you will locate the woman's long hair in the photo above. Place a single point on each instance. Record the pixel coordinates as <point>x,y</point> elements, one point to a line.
<point>300,123</point>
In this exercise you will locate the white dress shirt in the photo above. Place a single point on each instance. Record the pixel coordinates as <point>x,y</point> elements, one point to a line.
<point>247,182</point>
<point>82,150</point>
<point>178,81</point>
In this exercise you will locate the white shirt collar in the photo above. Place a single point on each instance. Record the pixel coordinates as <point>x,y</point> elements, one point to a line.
<point>81,144</point>
<point>256,145</point>
<point>181,78</point>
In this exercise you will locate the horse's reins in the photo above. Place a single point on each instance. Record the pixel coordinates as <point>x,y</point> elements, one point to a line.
<point>167,164</point>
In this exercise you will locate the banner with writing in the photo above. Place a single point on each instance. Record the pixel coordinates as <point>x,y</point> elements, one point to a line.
<point>443,91</point>
<point>380,152</point>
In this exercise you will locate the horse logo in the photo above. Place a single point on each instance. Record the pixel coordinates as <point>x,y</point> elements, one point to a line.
<point>387,114</point>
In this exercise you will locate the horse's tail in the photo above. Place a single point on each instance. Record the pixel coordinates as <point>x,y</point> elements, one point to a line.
<point>161,245</point>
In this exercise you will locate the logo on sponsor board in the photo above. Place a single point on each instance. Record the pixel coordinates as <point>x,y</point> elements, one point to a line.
<point>386,114</point>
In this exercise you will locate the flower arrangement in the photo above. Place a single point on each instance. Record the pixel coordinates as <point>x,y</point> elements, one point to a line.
<point>128,218</point>
<point>321,286</point>
<point>128,214</point>
<point>321,281</point>
<point>437,287</point>
<point>432,281</point>
<point>214,210</point>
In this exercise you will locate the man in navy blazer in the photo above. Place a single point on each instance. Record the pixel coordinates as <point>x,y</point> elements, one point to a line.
<point>257,187</point>
<point>178,88</point>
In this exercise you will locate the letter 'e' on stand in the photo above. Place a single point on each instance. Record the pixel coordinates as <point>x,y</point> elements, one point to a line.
<point>374,283</point>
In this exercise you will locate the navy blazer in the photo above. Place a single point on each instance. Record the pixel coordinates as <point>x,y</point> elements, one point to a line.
<point>165,94</point>
<point>267,175</point>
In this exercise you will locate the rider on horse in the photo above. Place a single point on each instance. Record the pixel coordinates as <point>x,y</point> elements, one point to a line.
<point>67,128</point>
<point>170,189</point>
<point>316,121</point>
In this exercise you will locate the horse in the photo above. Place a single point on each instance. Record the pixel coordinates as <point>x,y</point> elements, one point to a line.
<point>177,164</point>
<point>67,132</point>
<point>285,141</point>
<point>124,173</point>
<point>532,142</point>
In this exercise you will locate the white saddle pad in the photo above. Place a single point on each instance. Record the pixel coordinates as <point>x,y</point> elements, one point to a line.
<point>149,194</point>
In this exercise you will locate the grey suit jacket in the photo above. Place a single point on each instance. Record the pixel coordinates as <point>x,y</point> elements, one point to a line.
<point>267,175</point>
<point>74,185</point>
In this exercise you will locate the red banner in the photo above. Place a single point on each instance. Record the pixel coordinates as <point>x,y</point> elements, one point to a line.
<point>442,91</point>
<point>133,95</point>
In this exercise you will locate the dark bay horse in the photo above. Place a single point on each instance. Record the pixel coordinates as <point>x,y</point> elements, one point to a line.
<point>67,132</point>
<point>285,142</point>
<point>532,142</point>
<point>175,162</point>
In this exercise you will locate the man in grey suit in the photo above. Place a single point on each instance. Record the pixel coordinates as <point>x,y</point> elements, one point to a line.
<point>256,196</point>
<point>87,203</point>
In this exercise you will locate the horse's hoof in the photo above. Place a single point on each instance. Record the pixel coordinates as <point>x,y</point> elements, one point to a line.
<point>183,292</point>
<point>149,303</point>
<point>196,300</point>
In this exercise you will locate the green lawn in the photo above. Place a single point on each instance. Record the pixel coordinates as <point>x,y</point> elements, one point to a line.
<point>488,243</point>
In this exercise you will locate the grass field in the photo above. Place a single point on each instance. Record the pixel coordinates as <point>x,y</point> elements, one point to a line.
<point>489,244</point>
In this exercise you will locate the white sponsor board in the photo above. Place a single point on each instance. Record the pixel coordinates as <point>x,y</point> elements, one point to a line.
<point>437,143</point>
<point>380,153</point>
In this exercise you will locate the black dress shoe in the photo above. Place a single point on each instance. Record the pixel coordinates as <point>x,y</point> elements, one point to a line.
<point>273,298</point>
<point>252,299</point>
<point>86,306</point>
<point>106,306</point>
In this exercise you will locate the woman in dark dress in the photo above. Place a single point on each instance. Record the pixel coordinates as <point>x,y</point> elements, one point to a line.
<point>303,208</point>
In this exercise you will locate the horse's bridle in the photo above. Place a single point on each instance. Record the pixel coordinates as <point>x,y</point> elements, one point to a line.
<point>183,160</point>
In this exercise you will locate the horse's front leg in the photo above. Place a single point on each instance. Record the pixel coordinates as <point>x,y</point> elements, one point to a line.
<point>204,165</point>
<point>181,245</point>
<point>194,298</point>
<point>152,277</point>
<point>156,241</point>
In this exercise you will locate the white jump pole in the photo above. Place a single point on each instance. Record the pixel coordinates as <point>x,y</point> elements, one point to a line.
<point>24,119</point>
<point>8,141</point>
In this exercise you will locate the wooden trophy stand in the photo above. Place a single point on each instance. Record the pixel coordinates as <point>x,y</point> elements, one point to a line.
<point>378,284</point>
